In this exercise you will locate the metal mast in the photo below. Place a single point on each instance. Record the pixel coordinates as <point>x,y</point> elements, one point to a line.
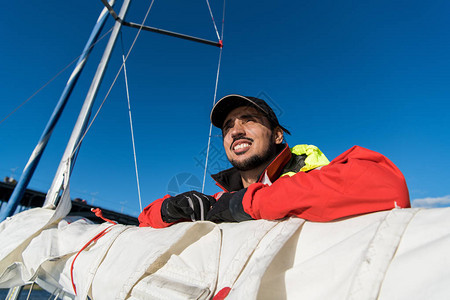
<point>33,161</point>
<point>55,190</point>
<point>72,147</point>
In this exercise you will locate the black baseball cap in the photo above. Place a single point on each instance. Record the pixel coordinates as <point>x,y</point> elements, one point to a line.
<point>225,105</point>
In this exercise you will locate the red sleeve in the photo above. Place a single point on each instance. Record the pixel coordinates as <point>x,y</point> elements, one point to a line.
<point>358,181</point>
<point>151,215</point>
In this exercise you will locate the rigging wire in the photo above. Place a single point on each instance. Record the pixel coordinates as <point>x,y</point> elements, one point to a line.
<point>52,79</point>
<point>113,83</point>
<point>210,125</point>
<point>131,123</point>
<point>30,289</point>
<point>215,95</point>
<point>117,75</point>
<point>223,19</point>
<point>214,22</point>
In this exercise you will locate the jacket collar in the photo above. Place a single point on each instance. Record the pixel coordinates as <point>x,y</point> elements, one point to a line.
<point>230,180</point>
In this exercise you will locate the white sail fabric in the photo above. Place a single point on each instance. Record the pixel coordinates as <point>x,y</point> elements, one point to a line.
<point>398,254</point>
<point>17,232</point>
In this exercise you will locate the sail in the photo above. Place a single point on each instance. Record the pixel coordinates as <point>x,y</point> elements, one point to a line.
<point>384,255</point>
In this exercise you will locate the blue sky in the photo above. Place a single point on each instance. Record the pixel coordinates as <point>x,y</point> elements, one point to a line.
<point>339,74</point>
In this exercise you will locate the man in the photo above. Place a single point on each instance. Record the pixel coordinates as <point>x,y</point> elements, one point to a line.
<point>271,181</point>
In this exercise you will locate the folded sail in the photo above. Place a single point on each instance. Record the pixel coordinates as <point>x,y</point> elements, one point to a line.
<point>385,255</point>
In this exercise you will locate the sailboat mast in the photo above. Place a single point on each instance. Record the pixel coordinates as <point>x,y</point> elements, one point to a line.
<point>55,190</point>
<point>36,155</point>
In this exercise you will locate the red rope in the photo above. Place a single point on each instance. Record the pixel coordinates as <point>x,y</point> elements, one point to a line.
<point>98,213</point>
<point>222,294</point>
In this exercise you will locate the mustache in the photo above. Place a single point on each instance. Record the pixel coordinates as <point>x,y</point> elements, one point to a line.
<point>240,138</point>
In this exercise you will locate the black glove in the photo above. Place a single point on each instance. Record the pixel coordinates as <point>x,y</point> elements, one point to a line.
<point>186,206</point>
<point>229,208</point>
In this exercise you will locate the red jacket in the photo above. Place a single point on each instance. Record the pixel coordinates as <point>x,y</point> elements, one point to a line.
<point>356,182</point>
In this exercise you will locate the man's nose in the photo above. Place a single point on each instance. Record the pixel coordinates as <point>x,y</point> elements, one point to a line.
<point>238,129</point>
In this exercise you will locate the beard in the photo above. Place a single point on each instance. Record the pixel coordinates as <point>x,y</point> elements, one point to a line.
<point>256,160</point>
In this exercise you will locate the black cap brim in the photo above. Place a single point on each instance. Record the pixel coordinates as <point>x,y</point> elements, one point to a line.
<point>225,105</point>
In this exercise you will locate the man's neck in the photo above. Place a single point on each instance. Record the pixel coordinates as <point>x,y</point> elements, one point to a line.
<point>251,176</point>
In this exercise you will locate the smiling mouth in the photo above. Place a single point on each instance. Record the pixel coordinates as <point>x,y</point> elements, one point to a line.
<point>241,146</point>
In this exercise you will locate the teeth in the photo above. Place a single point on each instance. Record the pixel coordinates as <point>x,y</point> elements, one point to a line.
<point>240,146</point>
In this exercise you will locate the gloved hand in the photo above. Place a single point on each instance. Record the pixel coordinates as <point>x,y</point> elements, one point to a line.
<point>191,205</point>
<point>229,208</point>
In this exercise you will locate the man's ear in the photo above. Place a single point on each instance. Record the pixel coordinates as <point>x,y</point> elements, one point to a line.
<point>278,135</point>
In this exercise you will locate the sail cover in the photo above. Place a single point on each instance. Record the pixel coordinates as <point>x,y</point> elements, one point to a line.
<point>398,254</point>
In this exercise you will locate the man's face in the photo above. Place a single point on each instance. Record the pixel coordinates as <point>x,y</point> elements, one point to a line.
<point>247,138</point>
